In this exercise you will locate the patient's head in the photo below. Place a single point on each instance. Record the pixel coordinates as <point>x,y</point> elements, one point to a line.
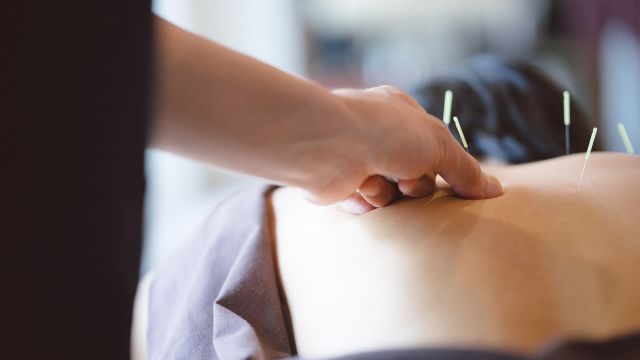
<point>509,110</point>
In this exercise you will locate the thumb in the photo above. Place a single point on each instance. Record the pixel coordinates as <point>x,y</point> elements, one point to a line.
<point>463,173</point>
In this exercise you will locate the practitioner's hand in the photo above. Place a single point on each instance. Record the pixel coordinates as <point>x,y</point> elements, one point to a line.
<point>226,109</point>
<point>396,139</point>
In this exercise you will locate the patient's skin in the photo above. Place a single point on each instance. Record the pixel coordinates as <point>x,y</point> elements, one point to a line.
<point>547,260</point>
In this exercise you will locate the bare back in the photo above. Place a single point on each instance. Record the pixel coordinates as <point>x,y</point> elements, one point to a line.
<point>546,260</point>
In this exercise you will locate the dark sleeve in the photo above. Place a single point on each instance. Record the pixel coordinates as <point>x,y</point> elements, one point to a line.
<point>75,81</point>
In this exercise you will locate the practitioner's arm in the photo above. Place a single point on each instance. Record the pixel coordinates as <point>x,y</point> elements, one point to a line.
<point>227,109</point>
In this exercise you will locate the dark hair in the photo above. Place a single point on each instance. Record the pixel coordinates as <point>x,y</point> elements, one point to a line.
<point>508,110</point>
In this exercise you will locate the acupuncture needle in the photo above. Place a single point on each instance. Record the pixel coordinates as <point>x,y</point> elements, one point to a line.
<point>625,138</point>
<point>586,156</point>
<point>448,100</point>
<point>464,141</point>
<point>567,120</point>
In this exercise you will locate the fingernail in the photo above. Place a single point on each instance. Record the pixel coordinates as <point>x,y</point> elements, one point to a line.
<point>493,187</point>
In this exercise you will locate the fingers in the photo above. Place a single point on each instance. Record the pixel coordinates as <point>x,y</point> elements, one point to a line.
<point>419,187</point>
<point>464,175</point>
<point>377,191</point>
<point>374,192</point>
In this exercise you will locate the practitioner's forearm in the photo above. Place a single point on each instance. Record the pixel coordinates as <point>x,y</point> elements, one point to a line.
<point>227,109</point>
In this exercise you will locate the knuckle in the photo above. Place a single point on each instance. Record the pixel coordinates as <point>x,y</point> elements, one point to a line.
<point>407,98</point>
<point>442,141</point>
<point>389,88</point>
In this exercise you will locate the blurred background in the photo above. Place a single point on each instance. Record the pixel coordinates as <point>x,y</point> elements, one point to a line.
<point>591,47</point>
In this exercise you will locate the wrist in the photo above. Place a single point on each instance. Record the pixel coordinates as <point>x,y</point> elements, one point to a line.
<point>365,130</point>
<point>338,153</point>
